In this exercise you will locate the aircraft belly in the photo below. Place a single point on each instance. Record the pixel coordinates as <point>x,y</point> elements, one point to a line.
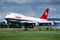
<point>15,20</point>
<point>11,20</point>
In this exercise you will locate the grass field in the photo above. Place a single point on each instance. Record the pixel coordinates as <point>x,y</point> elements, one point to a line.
<point>10,34</point>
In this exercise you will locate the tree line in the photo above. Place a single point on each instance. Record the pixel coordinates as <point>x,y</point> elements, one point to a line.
<point>6,26</point>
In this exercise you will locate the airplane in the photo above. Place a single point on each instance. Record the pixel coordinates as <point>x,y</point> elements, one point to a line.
<point>27,21</point>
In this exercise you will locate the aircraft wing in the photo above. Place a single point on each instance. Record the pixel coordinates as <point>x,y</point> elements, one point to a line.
<point>49,21</point>
<point>57,21</point>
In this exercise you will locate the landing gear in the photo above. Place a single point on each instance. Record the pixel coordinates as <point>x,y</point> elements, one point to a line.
<point>20,26</point>
<point>30,25</point>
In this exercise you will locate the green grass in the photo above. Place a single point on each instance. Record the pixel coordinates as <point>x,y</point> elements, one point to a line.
<point>11,34</point>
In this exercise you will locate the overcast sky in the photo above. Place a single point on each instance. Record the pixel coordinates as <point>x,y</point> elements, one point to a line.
<point>32,8</point>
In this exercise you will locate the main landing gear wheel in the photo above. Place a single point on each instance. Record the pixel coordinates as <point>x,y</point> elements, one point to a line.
<point>20,26</point>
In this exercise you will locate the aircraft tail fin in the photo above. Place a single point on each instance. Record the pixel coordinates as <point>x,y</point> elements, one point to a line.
<point>45,14</point>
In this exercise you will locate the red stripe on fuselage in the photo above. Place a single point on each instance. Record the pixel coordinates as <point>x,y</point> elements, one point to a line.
<point>18,17</point>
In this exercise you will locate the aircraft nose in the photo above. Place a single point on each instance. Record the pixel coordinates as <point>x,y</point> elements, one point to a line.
<point>7,16</point>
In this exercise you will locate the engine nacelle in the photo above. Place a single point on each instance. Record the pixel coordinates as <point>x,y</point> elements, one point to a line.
<point>52,23</point>
<point>5,22</point>
<point>37,23</point>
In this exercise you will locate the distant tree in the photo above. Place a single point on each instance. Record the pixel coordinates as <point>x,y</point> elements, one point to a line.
<point>3,26</point>
<point>0,24</point>
<point>47,28</point>
<point>17,26</point>
<point>14,25</point>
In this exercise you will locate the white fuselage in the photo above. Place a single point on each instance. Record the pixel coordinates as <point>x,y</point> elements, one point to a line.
<point>24,18</point>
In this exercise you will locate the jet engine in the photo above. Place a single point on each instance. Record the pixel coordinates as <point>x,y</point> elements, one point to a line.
<point>52,23</point>
<point>36,24</point>
<point>5,22</point>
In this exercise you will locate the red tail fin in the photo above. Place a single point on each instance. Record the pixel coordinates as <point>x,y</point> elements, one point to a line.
<point>45,14</point>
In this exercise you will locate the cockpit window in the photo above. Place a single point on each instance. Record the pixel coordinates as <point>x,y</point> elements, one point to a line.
<point>9,13</point>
